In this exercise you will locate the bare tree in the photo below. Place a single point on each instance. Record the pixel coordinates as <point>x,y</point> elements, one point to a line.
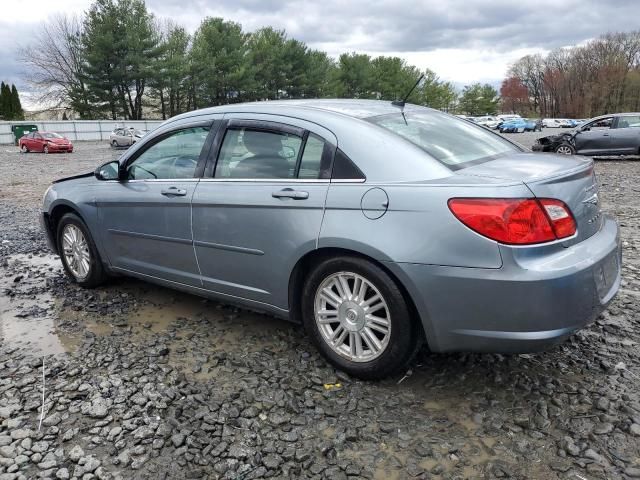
<point>54,64</point>
<point>598,77</point>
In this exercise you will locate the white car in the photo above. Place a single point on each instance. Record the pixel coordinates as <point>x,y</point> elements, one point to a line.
<point>551,123</point>
<point>125,137</point>
<point>510,116</point>
<point>488,121</point>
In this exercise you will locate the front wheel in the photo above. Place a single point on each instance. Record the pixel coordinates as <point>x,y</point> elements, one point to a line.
<point>78,252</point>
<point>357,316</point>
<point>565,149</point>
<point>24,148</point>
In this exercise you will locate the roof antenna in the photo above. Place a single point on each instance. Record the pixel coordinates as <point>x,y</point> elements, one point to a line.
<point>401,103</point>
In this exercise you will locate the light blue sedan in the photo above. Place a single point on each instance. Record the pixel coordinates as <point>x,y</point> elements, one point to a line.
<point>517,126</point>
<point>379,226</point>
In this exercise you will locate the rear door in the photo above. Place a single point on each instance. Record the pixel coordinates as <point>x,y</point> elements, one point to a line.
<point>261,203</point>
<point>625,137</point>
<point>595,137</point>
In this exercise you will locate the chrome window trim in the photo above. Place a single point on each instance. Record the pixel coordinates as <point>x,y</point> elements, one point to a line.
<point>348,180</point>
<point>137,180</point>
<point>267,180</point>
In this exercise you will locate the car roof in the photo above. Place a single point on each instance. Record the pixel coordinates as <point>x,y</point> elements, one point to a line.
<point>355,108</point>
<point>345,120</point>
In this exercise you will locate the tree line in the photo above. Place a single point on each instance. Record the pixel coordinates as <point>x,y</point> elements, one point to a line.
<point>10,106</point>
<point>119,61</point>
<point>599,77</point>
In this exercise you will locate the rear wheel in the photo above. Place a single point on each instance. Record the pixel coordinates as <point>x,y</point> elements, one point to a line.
<point>78,252</point>
<point>357,316</point>
<point>46,149</point>
<point>565,149</point>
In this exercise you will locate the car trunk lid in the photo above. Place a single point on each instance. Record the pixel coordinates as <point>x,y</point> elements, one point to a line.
<point>567,178</point>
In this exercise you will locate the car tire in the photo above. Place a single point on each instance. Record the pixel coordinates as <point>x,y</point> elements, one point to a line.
<point>24,148</point>
<point>114,144</point>
<point>45,150</point>
<point>78,244</point>
<point>565,149</point>
<point>379,357</point>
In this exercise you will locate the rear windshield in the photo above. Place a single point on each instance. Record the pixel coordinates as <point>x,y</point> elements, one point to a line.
<point>51,135</point>
<point>454,142</point>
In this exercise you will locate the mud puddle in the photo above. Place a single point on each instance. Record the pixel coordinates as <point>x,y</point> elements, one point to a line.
<point>27,315</point>
<point>35,315</point>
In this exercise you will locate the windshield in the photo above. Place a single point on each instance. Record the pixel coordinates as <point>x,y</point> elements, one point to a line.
<point>51,135</point>
<point>453,142</point>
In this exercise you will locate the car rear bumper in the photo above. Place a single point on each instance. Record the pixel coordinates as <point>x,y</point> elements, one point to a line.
<point>535,300</point>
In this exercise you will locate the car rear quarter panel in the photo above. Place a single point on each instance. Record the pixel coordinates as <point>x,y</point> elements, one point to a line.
<point>418,226</point>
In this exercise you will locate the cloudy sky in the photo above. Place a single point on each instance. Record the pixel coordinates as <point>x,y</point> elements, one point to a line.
<point>461,40</point>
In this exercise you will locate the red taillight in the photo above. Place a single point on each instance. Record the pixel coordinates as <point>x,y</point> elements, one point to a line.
<point>516,221</point>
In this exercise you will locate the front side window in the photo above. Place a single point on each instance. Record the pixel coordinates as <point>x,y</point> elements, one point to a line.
<point>251,153</point>
<point>173,157</point>
<point>603,123</point>
<point>455,143</point>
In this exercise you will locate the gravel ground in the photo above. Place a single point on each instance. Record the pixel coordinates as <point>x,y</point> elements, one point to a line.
<point>144,382</point>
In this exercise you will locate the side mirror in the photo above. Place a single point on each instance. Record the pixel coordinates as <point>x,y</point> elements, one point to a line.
<point>584,129</point>
<point>108,171</point>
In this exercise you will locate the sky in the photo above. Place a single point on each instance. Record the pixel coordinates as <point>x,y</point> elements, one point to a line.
<point>463,41</point>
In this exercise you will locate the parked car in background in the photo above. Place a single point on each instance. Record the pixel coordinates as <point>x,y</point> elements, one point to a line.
<point>551,123</point>
<point>568,123</point>
<point>488,121</point>
<point>518,125</point>
<point>46,142</point>
<point>617,134</point>
<point>125,137</point>
<point>467,118</point>
<point>294,208</point>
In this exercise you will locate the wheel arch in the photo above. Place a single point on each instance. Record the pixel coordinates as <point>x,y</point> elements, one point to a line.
<point>56,212</point>
<point>312,258</point>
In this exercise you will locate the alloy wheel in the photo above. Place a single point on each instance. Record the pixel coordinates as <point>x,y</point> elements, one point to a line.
<point>75,249</point>
<point>352,316</point>
<point>564,150</point>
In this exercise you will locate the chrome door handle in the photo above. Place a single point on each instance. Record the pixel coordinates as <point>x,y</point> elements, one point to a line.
<point>173,192</point>
<point>291,193</point>
<point>605,134</point>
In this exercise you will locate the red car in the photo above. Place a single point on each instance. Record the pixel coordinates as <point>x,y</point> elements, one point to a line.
<point>47,142</point>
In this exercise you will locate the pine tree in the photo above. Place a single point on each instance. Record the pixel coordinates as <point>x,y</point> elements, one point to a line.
<point>16,107</point>
<point>4,102</point>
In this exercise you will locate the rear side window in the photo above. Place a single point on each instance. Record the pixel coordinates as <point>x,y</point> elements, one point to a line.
<point>316,159</point>
<point>454,142</point>
<point>250,153</point>
<point>344,168</point>
<point>629,121</point>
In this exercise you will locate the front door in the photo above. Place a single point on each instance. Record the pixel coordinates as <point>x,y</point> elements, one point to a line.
<point>261,208</point>
<point>146,217</point>
<point>595,137</point>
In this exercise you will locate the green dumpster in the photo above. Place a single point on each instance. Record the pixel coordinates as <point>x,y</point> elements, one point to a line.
<point>20,130</point>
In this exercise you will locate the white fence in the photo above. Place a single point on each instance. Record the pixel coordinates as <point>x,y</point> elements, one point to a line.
<point>76,129</point>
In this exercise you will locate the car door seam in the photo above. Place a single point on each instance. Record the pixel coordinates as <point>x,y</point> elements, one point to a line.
<point>193,240</point>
